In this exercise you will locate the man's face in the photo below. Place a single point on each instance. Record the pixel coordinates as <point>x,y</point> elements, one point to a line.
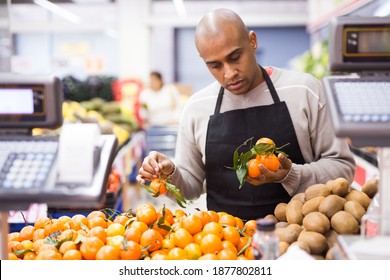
<point>155,83</point>
<point>230,57</point>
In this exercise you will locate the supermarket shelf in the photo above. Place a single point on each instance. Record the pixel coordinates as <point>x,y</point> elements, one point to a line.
<point>130,156</point>
<point>162,139</point>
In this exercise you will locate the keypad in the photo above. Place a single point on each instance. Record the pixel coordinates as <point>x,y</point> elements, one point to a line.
<point>364,101</point>
<point>26,169</point>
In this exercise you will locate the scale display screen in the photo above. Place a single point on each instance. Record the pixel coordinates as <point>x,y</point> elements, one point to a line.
<point>22,101</point>
<point>359,44</point>
<point>362,43</point>
<point>30,101</point>
<point>16,101</point>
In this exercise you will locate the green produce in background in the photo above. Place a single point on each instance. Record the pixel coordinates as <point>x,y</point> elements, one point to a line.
<point>94,86</point>
<point>313,61</point>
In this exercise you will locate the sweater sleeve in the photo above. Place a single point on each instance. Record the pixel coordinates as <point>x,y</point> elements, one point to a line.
<point>189,176</point>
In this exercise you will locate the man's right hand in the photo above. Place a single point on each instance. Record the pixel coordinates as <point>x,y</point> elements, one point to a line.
<point>268,176</point>
<point>154,164</point>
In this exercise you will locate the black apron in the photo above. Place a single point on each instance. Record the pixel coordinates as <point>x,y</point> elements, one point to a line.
<point>226,131</point>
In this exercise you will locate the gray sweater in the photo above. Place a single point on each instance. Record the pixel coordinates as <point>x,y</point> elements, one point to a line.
<point>328,157</point>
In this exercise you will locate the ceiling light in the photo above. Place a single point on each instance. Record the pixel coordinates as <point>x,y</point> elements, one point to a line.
<point>58,11</point>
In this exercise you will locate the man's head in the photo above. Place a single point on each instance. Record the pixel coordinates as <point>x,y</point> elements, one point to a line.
<point>156,81</point>
<point>229,50</point>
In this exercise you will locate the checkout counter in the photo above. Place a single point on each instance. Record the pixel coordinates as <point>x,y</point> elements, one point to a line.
<point>66,171</point>
<point>358,96</point>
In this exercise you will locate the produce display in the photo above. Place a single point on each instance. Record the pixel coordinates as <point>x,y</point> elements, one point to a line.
<point>311,220</point>
<point>114,181</point>
<point>98,100</point>
<point>107,114</point>
<point>148,234</point>
<point>94,86</point>
<point>313,61</point>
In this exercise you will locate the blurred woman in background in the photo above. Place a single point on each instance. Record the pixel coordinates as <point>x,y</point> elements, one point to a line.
<point>160,102</point>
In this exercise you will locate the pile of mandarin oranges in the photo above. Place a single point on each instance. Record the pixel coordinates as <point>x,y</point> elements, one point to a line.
<point>147,234</point>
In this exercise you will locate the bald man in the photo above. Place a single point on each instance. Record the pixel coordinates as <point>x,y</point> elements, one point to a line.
<point>248,100</point>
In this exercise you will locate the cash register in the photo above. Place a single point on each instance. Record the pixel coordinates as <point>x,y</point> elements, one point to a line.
<point>68,170</point>
<point>358,94</point>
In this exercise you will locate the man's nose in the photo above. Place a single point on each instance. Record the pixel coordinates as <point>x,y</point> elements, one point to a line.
<point>230,71</point>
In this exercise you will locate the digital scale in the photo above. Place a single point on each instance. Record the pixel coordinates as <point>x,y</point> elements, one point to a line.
<point>30,165</point>
<point>358,92</point>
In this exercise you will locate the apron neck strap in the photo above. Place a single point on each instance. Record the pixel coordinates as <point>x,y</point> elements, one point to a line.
<point>219,101</point>
<point>270,86</point>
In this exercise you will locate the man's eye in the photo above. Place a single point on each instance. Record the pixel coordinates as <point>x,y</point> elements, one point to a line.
<point>214,66</point>
<point>235,58</point>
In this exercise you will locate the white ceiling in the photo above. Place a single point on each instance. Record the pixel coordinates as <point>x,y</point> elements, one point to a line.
<point>102,14</point>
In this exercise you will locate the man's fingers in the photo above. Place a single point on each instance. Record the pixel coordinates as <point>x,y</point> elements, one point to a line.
<point>150,163</point>
<point>154,164</point>
<point>140,179</point>
<point>264,171</point>
<point>285,162</point>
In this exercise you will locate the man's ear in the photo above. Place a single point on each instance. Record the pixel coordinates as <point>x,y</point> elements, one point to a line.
<point>253,39</point>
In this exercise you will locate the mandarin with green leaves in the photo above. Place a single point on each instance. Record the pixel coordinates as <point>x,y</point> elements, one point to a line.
<point>158,186</point>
